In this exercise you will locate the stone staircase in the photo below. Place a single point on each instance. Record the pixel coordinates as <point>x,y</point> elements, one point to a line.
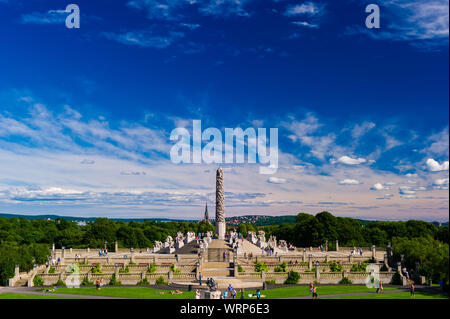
<point>217,269</point>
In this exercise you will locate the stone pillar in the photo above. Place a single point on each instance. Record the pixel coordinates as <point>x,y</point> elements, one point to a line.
<point>350,258</point>
<point>304,255</point>
<point>337,245</point>
<point>263,276</point>
<point>147,249</point>
<point>317,273</point>
<point>70,250</point>
<point>62,253</point>
<point>116,271</point>
<point>310,262</point>
<point>236,272</point>
<point>116,246</point>
<point>326,245</point>
<point>88,249</point>
<point>53,248</point>
<point>220,205</point>
<point>86,260</point>
<point>16,270</point>
<point>386,260</point>
<point>374,252</point>
<point>170,276</point>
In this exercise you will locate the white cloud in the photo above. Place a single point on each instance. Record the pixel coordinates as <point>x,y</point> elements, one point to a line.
<point>424,24</point>
<point>406,190</point>
<point>439,143</point>
<point>441,182</point>
<point>306,24</point>
<point>144,38</point>
<point>434,166</point>
<point>349,182</point>
<point>276,180</point>
<point>378,187</point>
<point>307,8</point>
<point>348,160</point>
<point>410,175</point>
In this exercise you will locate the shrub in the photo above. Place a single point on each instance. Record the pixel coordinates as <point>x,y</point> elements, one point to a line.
<point>52,270</point>
<point>281,268</point>
<point>59,283</point>
<point>397,279</point>
<point>259,266</point>
<point>131,263</point>
<point>143,282</point>
<point>160,281</point>
<point>293,278</point>
<point>151,268</point>
<point>38,281</point>
<point>345,281</point>
<point>124,270</point>
<point>335,267</point>
<point>113,281</point>
<point>384,268</point>
<point>174,270</point>
<point>240,269</point>
<point>316,282</point>
<point>97,269</point>
<point>359,268</point>
<point>270,282</point>
<point>86,282</point>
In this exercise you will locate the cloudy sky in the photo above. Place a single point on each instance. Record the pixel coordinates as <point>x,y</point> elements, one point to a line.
<point>362,114</point>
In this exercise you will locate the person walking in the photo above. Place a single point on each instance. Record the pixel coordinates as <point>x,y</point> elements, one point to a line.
<point>242,293</point>
<point>381,287</point>
<point>314,295</point>
<point>258,294</point>
<point>200,278</point>
<point>412,289</point>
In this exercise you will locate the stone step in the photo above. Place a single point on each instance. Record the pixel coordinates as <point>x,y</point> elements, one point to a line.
<point>216,264</point>
<point>216,273</point>
<point>21,283</point>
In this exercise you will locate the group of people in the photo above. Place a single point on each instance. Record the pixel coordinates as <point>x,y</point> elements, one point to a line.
<point>359,251</point>
<point>313,290</point>
<point>99,284</point>
<point>102,252</point>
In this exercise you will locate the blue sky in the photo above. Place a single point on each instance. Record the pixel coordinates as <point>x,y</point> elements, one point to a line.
<point>86,114</point>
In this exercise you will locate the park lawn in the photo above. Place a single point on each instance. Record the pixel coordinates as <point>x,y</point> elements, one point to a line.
<point>127,292</point>
<point>396,295</point>
<point>302,291</point>
<point>8,295</point>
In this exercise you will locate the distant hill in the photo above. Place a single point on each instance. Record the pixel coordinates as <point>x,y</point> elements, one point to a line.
<point>86,219</point>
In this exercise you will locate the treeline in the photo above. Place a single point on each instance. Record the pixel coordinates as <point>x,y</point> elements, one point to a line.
<point>26,242</point>
<point>309,230</point>
<point>417,244</point>
<point>66,233</point>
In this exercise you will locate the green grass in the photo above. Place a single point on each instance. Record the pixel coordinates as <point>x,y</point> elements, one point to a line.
<point>26,296</point>
<point>127,292</point>
<point>302,291</point>
<point>396,295</point>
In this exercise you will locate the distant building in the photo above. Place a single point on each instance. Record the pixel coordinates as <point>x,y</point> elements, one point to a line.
<point>206,217</point>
